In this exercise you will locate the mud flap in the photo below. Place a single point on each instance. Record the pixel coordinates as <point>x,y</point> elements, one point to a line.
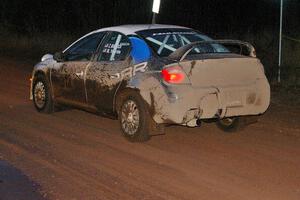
<point>156,129</point>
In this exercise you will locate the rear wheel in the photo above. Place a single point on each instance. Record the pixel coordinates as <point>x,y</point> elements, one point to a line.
<point>230,124</point>
<point>42,98</point>
<point>134,118</point>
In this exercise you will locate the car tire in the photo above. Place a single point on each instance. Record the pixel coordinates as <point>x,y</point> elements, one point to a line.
<point>230,124</point>
<point>42,98</point>
<point>134,118</point>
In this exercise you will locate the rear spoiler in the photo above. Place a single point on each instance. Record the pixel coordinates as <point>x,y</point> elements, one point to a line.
<point>182,52</point>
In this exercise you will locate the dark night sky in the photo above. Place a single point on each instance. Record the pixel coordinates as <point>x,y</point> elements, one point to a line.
<point>209,16</point>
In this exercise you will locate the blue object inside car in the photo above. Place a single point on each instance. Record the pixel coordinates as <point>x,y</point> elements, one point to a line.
<point>140,51</point>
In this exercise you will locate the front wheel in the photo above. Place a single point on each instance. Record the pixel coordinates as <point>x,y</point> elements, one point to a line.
<point>230,124</point>
<point>42,98</point>
<point>134,118</point>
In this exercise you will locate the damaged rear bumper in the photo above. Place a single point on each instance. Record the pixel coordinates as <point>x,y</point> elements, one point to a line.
<point>187,104</point>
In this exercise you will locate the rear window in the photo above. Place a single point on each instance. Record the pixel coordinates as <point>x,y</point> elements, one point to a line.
<point>166,41</point>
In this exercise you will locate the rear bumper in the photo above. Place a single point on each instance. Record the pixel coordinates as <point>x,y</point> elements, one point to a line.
<point>186,104</point>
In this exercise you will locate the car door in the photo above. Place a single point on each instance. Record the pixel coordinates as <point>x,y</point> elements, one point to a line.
<point>105,75</point>
<point>68,76</point>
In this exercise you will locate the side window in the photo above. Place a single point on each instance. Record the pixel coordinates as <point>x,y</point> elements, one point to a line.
<point>84,48</point>
<point>115,48</point>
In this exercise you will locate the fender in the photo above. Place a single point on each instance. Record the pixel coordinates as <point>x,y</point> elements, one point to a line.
<point>148,86</point>
<point>41,68</point>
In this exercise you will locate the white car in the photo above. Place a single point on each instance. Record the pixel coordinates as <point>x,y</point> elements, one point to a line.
<point>151,75</point>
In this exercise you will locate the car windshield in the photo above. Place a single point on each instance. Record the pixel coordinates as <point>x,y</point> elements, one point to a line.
<point>166,41</point>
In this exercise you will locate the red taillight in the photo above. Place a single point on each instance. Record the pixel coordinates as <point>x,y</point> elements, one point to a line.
<point>173,74</point>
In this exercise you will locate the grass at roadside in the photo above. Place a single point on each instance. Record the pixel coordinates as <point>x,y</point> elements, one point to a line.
<point>33,47</point>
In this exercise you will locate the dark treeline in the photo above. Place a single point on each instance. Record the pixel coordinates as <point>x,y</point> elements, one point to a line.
<point>209,16</point>
<point>256,21</point>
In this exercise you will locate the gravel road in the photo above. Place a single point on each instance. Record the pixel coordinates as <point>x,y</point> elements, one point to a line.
<point>73,154</point>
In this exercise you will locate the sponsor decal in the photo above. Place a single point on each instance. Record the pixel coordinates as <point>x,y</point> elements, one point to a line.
<point>130,71</point>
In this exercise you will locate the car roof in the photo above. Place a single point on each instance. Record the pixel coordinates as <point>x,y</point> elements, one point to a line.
<point>131,29</point>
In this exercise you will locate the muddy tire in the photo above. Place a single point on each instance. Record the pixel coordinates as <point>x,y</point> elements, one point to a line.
<point>42,98</point>
<point>134,118</point>
<point>231,124</point>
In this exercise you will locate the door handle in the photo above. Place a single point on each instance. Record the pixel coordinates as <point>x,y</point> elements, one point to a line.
<point>114,76</point>
<point>79,74</point>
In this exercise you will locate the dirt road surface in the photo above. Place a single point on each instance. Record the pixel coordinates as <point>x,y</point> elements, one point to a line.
<point>77,155</point>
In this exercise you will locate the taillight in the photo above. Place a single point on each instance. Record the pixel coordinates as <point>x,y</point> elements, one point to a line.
<point>173,74</point>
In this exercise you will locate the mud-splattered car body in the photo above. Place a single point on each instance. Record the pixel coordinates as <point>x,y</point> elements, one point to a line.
<point>209,80</point>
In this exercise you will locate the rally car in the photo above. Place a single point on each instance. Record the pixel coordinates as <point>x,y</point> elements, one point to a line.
<point>148,76</point>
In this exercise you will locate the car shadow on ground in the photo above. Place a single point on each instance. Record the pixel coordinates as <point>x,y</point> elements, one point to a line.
<point>14,185</point>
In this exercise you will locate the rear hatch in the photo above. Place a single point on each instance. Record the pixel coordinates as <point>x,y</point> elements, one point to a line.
<point>224,71</point>
<point>233,77</point>
<point>239,81</point>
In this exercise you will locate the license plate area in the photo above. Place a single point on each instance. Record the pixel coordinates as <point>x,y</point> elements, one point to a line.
<point>234,98</point>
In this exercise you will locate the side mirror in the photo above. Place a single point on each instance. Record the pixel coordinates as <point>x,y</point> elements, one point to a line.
<point>46,57</point>
<point>59,56</point>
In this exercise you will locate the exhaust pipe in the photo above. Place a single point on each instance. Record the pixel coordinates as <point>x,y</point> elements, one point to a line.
<point>194,123</point>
